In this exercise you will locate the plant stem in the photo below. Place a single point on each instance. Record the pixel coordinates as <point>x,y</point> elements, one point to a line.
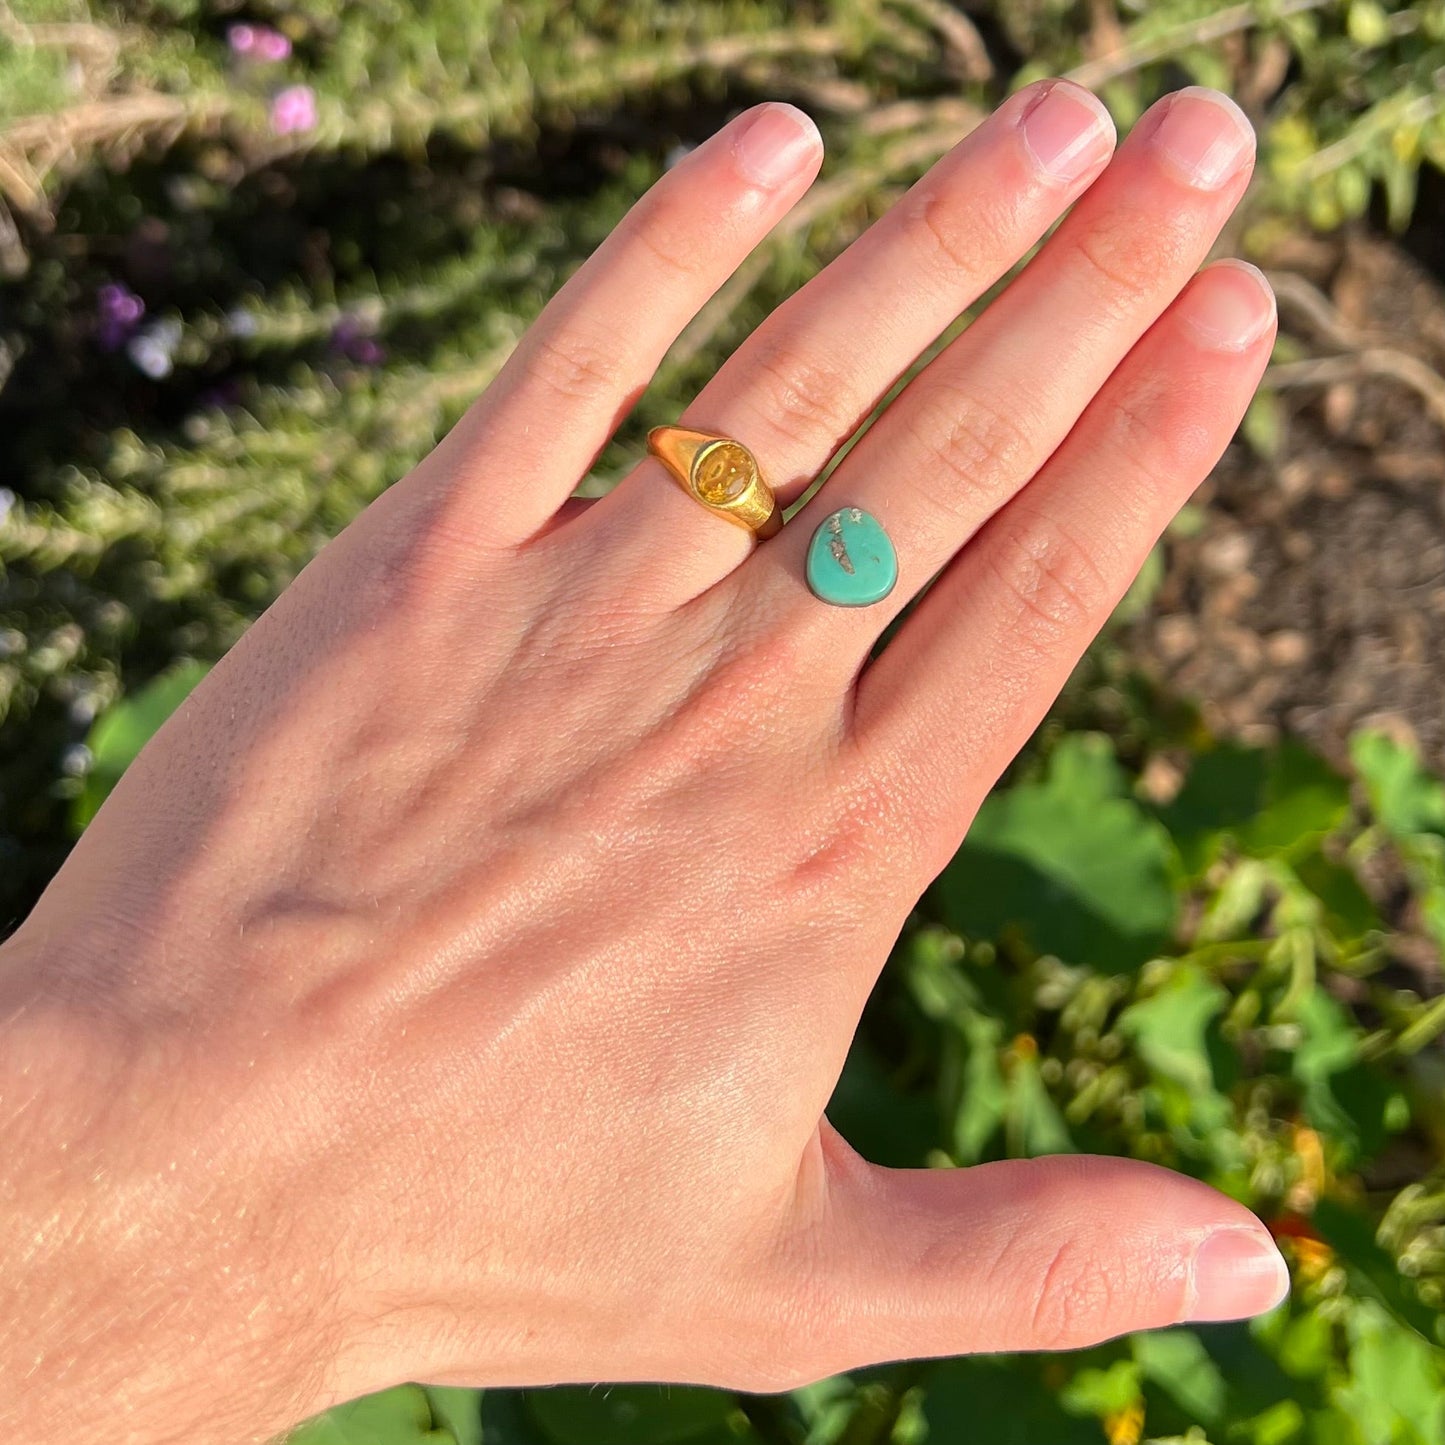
<point>1142,52</point>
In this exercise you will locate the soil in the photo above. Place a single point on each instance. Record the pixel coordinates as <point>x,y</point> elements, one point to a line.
<point>1311,597</point>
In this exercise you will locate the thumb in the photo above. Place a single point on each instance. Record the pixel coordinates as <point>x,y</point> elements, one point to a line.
<point>1030,1254</point>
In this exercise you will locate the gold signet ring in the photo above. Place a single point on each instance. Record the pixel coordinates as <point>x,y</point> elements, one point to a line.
<point>720,473</point>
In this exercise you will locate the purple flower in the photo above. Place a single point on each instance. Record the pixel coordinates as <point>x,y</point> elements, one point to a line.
<point>350,341</point>
<point>261,42</point>
<point>271,44</point>
<point>118,312</point>
<point>293,109</point>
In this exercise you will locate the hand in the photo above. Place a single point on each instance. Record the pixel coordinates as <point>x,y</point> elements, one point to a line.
<point>454,988</point>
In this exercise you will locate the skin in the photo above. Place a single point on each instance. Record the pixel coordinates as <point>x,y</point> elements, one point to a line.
<point>454,987</point>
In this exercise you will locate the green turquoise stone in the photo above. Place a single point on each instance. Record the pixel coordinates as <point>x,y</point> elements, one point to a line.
<point>851,562</point>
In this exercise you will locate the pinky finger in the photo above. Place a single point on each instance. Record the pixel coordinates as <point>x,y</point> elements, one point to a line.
<point>1005,623</point>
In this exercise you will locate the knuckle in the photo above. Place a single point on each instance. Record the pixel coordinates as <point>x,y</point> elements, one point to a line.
<point>671,244</point>
<point>953,243</point>
<point>840,846</point>
<point>1157,447</point>
<point>804,394</point>
<point>1123,264</point>
<point>1053,585</point>
<point>402,547</point>
<point>578,365</point>
<point>870,819</point>
<point>740,698</point>
<point>1074,1299</point>
<point>971,439</point>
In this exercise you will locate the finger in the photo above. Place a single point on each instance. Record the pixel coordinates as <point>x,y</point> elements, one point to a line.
<point>522,447</point>
<point>984,415</point>
<point>1030,1254</point>
<point>808,377</point>
<point>1004,625</point>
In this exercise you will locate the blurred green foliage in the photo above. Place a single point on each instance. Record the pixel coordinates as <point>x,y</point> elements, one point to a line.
<point>1154,942</point>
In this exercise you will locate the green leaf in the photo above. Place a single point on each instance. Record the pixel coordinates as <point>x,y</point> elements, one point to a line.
<point>1102,1392</point>
<point>1306,1345</point>
<point>506,1421</point>
<point>1177,1362</point>
<point>1396,1393</point>
<point>1170,1027</point>
<point>1267,802</point>
<point>1135,602</point>
<point>1348,911</point>
<point>985,1097</point>
<point>1282,1423</point>
<point>1071,864</point>
<point>457,1410</point>
<point>1244,1356</point>
<point>634,1415</point>
<point>1265,424</point>
<point>122,730</point>
<point>1221,792</point>
<point>1343,1098</point>
<point>883,1122</point>
<point>1403,796</point>
<point>825,1408</point>
<point>405,1415</point>
<point>999,1401</point>
<point>1304,798</point>
<point>1033,1124</point>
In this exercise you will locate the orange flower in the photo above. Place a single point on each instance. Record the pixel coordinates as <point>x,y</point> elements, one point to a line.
<point>1126,1426</point>
<point>1310,1152</point>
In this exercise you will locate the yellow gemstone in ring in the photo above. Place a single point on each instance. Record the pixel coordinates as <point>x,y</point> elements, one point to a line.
<point>722,473</point>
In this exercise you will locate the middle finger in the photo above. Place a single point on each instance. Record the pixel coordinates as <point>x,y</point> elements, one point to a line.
<point>811,373</point>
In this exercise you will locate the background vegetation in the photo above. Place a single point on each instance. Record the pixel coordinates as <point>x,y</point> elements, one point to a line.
<point>255,258</point>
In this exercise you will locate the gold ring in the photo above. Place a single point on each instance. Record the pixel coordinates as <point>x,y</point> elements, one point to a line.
<point>720,473</point>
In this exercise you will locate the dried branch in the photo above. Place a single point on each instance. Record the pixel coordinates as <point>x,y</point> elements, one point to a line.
<point>1145,51</point>
<point>1297,295</point>
<point>1375,361</point>
<point>959,34</point>
<point>945,113</point>
<point>1420,111</point>
<point>35,147</point>
<point>95,49</point>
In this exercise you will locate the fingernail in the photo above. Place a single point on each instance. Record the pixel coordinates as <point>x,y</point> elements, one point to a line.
<point>1067,131</point>
<point>772,147</point>
<point>1237,1273</point>
<point>1204,136</point>
<point>1229,306</point>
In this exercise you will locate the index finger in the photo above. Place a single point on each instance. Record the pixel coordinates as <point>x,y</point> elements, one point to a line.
<point>590,354</point>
